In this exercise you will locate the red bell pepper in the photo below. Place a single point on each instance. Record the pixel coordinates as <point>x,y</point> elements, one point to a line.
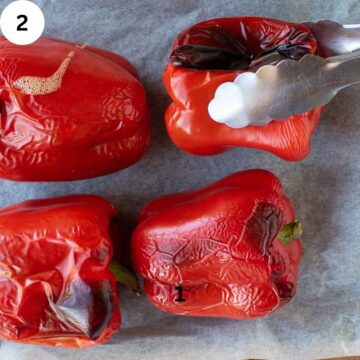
<point>232,247</point>
<point>68,112</point>
<point>216,51</point>
<point>55,285</point>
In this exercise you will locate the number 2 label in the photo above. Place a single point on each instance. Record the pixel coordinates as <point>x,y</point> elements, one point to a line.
<point>24,21</point>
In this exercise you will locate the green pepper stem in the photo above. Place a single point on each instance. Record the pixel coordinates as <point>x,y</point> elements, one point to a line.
<point>125,276</point>
<point>290,232</point>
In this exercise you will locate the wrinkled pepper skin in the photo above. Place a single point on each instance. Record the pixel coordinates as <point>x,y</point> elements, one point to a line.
<point>191,90</point>
<point>68,112</point>
<point>220,243</point>
<point>55,286</point>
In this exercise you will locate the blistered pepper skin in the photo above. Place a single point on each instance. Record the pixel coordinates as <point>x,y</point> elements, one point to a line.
<point>220,243</point>
<point>55,286</point>
<point>187,119</point>
<point>68,112</point>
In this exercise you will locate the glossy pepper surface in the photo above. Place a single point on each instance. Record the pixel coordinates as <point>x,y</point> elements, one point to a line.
<point>55,286</point>
<point>232,246</point>
<point>216,51</point>
<point>68,111</point>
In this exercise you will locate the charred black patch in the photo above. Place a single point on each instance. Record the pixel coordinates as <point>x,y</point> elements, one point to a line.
<point>87,307</point>
<point>263,226</point>
<point>215,48</point>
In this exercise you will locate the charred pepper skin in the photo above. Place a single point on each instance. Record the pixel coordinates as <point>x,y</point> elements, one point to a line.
<point>191,89</point>
<point>55,285</point>
<point>221,244</point>
<point>68,112</point>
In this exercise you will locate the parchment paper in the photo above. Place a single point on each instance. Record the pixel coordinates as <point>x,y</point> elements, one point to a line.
<point>324,318</point>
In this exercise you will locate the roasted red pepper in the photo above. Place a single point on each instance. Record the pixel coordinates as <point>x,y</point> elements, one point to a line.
<point>55,286</point>
<point>68,112</point>
<point>232,247</point>
<point>216,51</point>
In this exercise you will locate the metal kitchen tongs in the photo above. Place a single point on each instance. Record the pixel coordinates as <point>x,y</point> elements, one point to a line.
<point>294,87</point>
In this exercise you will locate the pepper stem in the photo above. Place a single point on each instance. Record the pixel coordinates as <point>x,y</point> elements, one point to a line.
<point>125,276</point>
<point>290,232</point>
